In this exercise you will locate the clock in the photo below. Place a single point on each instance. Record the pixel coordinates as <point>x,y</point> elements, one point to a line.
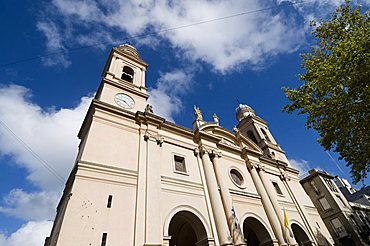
<point>124,101</point>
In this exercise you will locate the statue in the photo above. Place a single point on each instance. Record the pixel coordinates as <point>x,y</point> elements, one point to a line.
<point>197,113</point>
<point>149,109</point>
<point>215,118</point>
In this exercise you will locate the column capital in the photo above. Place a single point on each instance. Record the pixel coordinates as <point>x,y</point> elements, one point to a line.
<point>252,165</point>
<point>215,154</point>
<point>159,140</point>
<point>203,150</point>
<point>258,166</point>
<point>261,167</point>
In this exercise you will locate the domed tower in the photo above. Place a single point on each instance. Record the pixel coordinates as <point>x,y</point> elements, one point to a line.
<point>255,128</point>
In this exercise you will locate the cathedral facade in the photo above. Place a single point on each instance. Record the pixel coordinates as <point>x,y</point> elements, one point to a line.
<point>141,180</point>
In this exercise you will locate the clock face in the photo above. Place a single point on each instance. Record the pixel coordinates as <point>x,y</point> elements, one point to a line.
<point>125,101</point>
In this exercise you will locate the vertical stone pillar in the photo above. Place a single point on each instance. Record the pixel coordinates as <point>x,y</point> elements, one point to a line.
<point>285,178</point>
<point>214,195</point>
<point>139,225</point>
<point>235,230</point>
<point>271,215</point>
<point>272,195</point>
<point>207,199</point>
<point>153,225</point>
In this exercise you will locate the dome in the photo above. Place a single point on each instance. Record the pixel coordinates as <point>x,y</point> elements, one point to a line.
<point>243,110</point>
<point>129,49</point>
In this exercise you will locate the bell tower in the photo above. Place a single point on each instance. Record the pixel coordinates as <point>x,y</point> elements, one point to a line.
<point>256,129</point>
<point>123,79</point>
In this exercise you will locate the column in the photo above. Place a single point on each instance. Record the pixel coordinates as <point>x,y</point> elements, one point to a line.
<point>235,230</point>
<point>214,195</point>
<point>272,194</point>
<point>284,177</point>
<point>207,199</point>
<point>274,221</point>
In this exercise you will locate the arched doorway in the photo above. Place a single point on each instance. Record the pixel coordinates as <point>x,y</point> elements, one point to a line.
<point>186,229</point>
<point>300,235</point>
<point>255,233</point>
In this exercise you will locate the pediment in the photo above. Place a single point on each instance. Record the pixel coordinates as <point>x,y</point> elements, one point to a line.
<point>231,139</point>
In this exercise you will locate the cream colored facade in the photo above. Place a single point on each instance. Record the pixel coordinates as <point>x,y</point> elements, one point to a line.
<point>141,180</point>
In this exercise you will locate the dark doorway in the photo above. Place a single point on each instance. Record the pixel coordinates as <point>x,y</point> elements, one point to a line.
<point>300,235</point>
<point>186,229</point>
<point>255,233</point>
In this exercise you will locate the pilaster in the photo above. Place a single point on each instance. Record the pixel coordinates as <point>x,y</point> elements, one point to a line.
<point>153,233</point>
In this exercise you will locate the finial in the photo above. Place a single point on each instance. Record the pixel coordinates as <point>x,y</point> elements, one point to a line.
<point>198,113</point>
<point>215,118</point>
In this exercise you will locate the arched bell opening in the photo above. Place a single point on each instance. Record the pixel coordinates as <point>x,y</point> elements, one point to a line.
<point>186,229</point>
<point>127,74</point>
<point>255,233</point>
<point>300,235</point>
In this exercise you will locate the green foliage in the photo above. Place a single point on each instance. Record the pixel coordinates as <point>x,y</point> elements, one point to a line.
<point>335,94</point>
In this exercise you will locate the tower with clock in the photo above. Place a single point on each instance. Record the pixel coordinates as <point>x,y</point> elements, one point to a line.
<point>123,82</point>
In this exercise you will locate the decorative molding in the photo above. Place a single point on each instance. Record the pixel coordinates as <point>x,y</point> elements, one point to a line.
<point>159,139</point>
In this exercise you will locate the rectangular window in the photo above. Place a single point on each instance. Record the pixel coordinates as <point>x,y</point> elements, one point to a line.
<point>104,239</point>
<point>324,203</point>
<point>179,164</point>
<point>338,227</point>
<point>277,188</point>
<point>109,203</point>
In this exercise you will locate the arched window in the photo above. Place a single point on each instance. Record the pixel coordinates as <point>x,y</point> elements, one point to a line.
<point>265,135</point>
<point>251,136</point>
<point>127,74</point>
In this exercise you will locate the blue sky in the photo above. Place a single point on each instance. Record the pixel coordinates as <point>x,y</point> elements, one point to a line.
<point>212,65</point>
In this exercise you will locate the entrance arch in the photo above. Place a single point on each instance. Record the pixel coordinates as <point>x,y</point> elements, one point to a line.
<point>300,235</point>
<point>255,233</point>
<point>186,229</point>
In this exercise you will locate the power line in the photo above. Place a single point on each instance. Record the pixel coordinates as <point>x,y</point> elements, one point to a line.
<point>43,162</point>
<point>126,39</point>
<point>34,154</point>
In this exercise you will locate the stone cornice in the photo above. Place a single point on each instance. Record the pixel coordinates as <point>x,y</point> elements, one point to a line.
<point>121,84</point>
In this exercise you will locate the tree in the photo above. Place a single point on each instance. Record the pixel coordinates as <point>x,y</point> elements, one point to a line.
<point>335,94</point>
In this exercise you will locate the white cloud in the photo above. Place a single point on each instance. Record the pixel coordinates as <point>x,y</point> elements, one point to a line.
<point>166,97</point>
<point>52,134</point>
<point>33,233</point>
<point>226,44</point>
<point>54,44</point>
<point>30,206</point>
<point>301,165</point>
